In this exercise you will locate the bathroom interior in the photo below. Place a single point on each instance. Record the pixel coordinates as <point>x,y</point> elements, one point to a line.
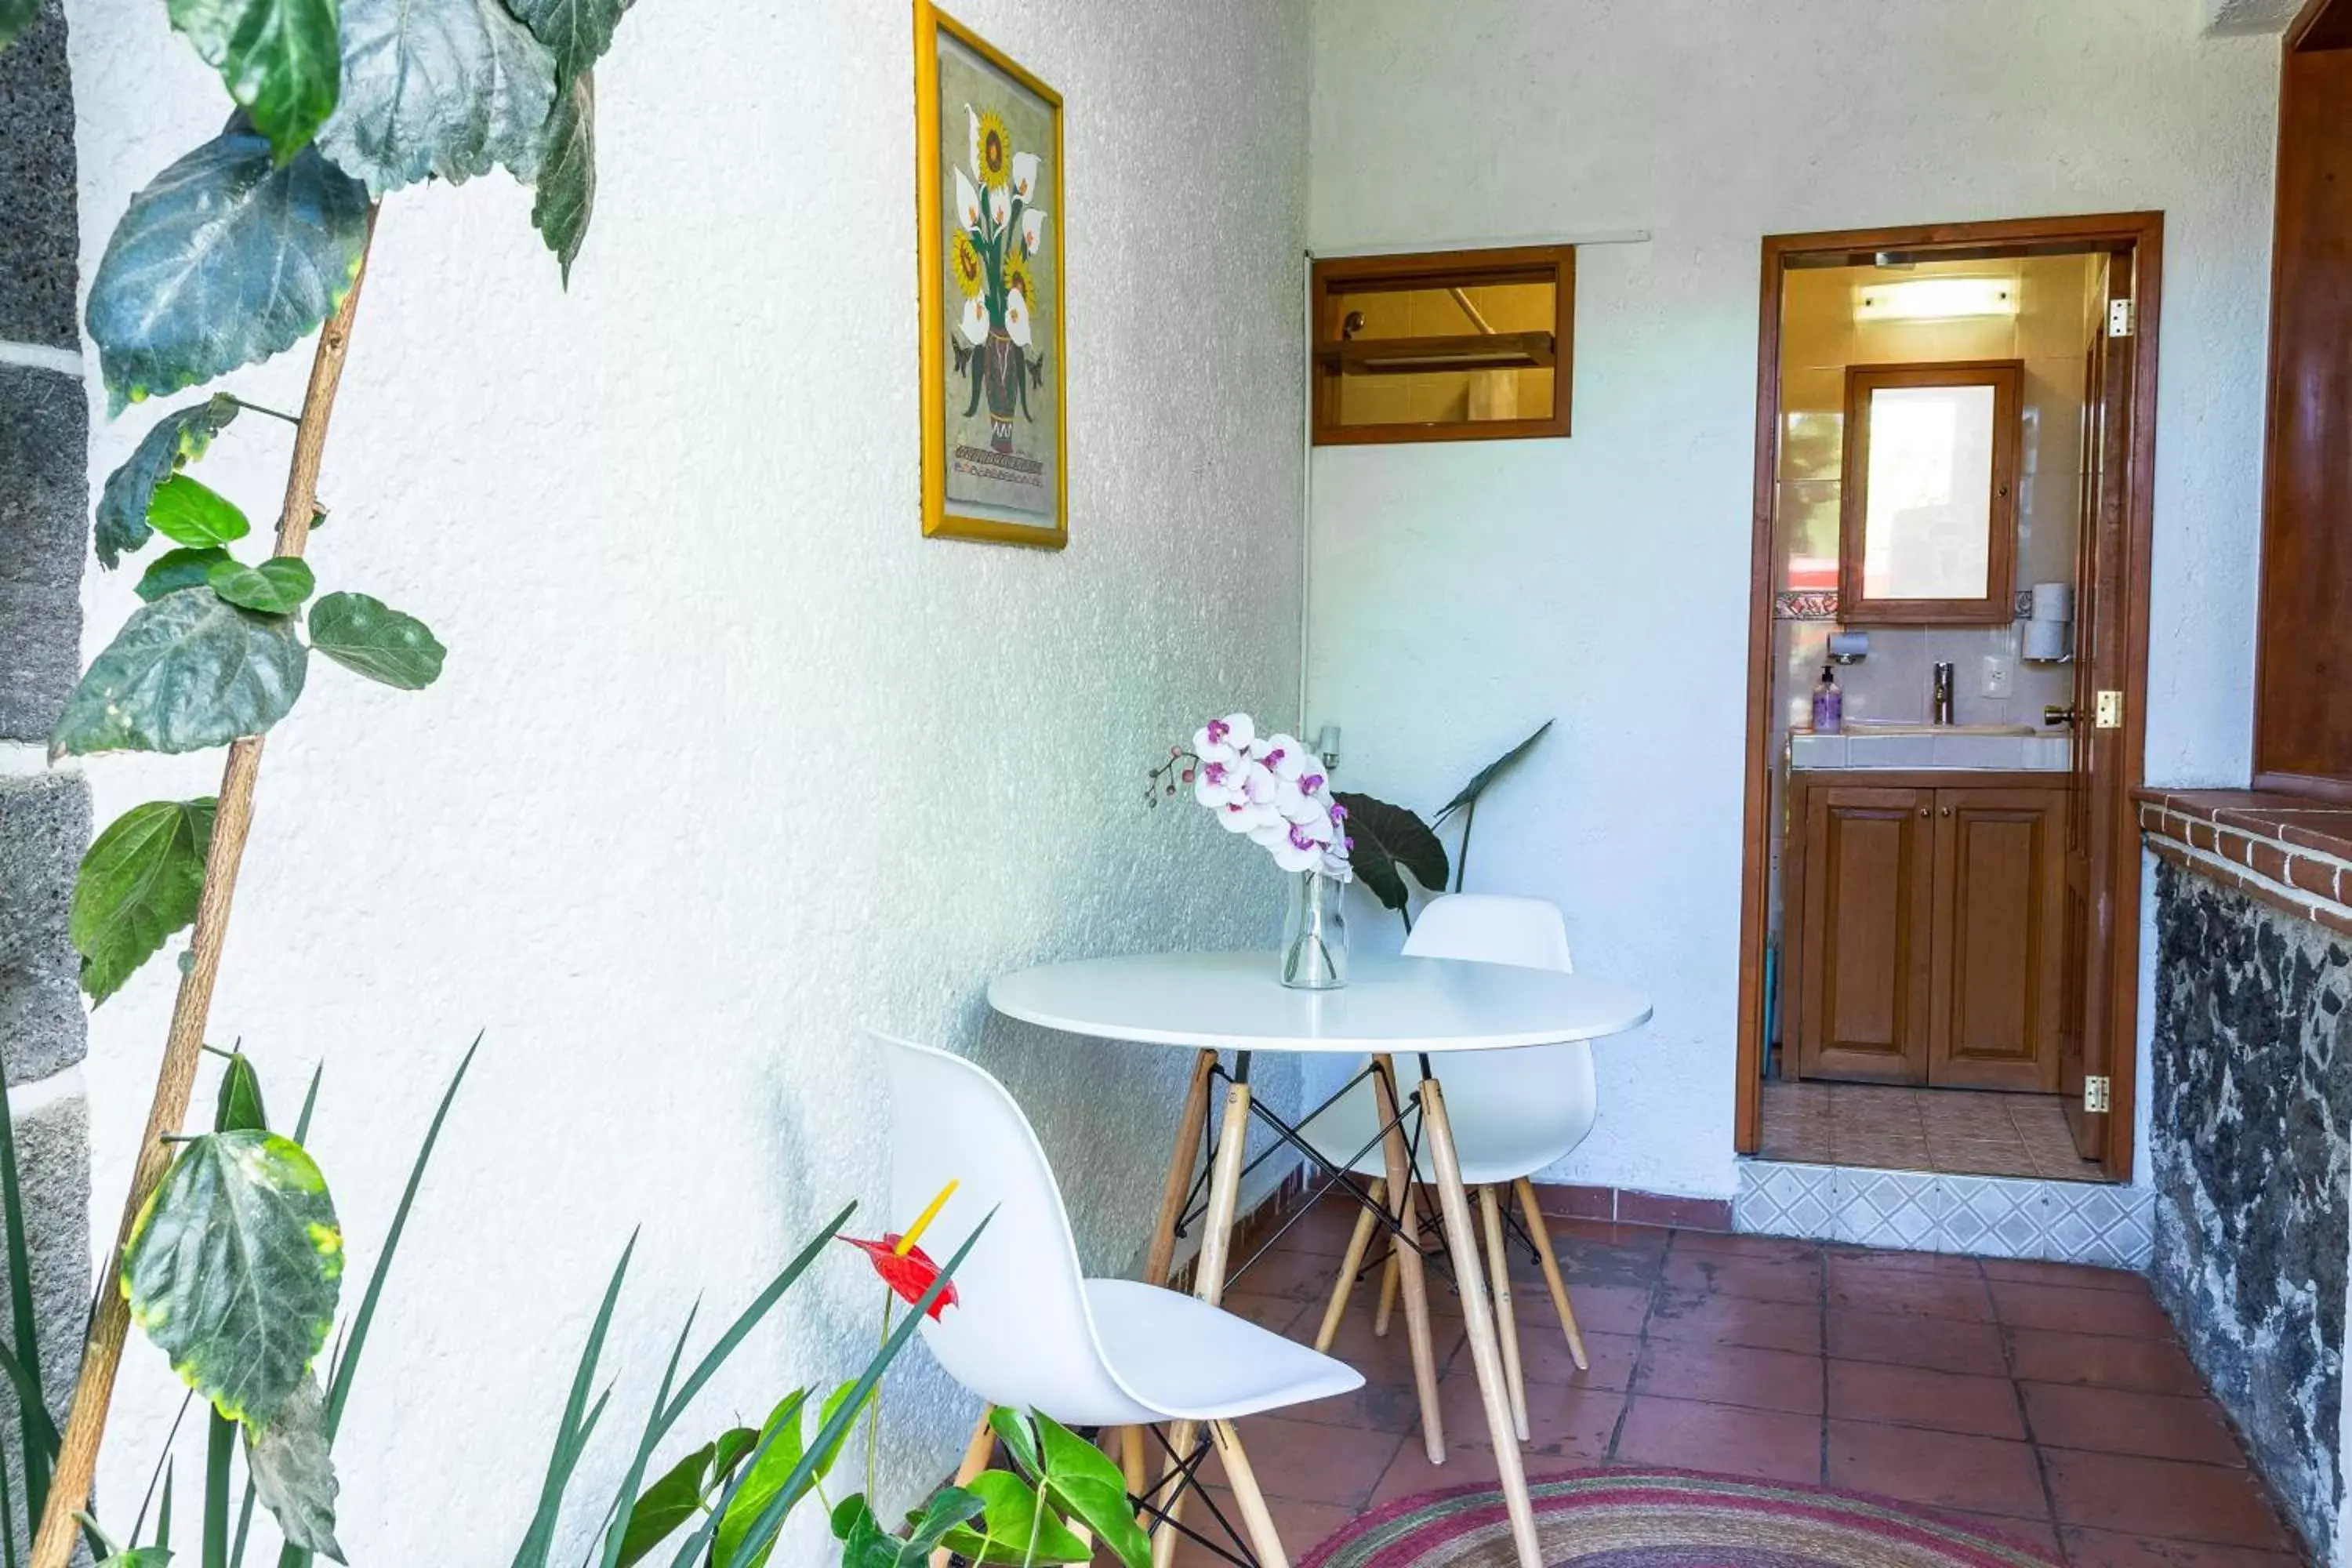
<point>1932,476</point>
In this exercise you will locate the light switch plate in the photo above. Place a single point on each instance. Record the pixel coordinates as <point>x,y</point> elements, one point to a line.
<point>1998,672</point>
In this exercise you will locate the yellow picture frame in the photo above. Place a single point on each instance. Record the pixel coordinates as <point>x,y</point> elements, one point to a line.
<point>1000,371</point>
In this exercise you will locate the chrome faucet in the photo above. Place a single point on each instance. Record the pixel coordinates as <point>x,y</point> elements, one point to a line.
<point>1943,711</point>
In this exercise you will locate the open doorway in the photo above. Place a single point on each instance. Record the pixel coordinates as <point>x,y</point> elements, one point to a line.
<point>1948,641</point>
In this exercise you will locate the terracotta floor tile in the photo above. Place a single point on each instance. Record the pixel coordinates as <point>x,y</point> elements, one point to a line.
<point>1917,1396</point>
<point>1983,1159</point>
<point>1769,1444</point>
<point>1310,1462</point>
<point>1924,1293</point>
<point>2162,1498</point>
<point>1772,1248</point>
<point>1599,1308</point>
<point>1287,1272</point>
<point>1942,1344</point>
<point>1301,1525</point>
<point>1731,1374</point>
<point>2101,1549</point>
<point>1412,1472</point>
<point>1562,1422</point>
<point>1388,1359</point>
<point>2068,1311</point>
<point>1646,1237</point>
<point>1375,1407</point>
<point>2032,1271</point>
<point>1276,1313</point>
<point>1737,1321</point>
<point>1942,1470</point>
<point>1584,1263</point>
<point>2038,1534</point>
<point>2102,1360</point>
<point>1761,1279</point>
<point>2119,1421</point>
<point>1848,1262</point>
<point>1544,1356</point>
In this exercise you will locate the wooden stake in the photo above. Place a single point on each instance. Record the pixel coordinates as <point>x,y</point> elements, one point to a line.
<point>1407,1257</point>
<point>175,1077</point>
<point>1357,1245</point>
<point>1551,1272</point>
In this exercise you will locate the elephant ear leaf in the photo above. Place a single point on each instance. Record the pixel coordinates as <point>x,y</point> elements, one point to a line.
<point>1389,840</point>
<point>139,883</point>
<point>227,258</point>
<point>364,634</point>
<point>1468,794</point>
<point>566,197</point>
<point>293,1473</point>
<point>445,88</point>
<point>188,671</point>
<point>180,437</point>
<point>279,58</point>
<point>234,1270</point>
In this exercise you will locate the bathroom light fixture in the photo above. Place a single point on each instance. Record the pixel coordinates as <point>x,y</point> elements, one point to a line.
<point>1935,298</point>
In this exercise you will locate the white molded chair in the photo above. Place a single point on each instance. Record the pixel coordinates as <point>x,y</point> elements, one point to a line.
<point>1514,1112</point>
<point>1031,1332</point>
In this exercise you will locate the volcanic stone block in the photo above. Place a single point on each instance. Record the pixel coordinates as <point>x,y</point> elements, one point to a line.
<point>44,829</point>
<point>44,532</point>
<point>39,237</point>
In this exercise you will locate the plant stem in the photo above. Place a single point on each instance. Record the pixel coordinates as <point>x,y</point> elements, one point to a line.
<point>1462,856</point>
<point>274,414</point>
<point>874,1411</point>
<point>175,1077</point>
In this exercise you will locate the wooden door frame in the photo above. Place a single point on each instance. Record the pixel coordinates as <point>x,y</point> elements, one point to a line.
<point>2142,233</point>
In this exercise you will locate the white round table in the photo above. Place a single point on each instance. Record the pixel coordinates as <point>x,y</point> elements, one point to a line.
<point>1208,1002</point>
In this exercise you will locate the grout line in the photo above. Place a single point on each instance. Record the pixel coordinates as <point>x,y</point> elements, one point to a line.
<point>38,356</point>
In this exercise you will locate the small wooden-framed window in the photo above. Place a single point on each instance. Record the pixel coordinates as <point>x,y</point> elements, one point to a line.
<point>1449,346</point>
<point>1928,531</point>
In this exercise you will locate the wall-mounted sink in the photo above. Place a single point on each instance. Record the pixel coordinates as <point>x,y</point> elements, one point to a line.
<point>1916,727</point>
<point>1884,744</point>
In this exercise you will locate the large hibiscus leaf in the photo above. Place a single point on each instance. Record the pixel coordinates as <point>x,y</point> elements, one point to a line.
<point>188,671</point>
<point>178,439</point>
<point>567,173</point>
<point>294,1474</point>
<point>361,632</point>
<point>228,258</point>
<point>577,32</point>
<point>280,59</point>
<point>234,1270</point>
<point>449,87</point>
<point>1389,840</point>
<point>138,884</point>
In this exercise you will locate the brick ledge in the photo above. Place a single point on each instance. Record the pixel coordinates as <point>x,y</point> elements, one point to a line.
<point>2288,851</point>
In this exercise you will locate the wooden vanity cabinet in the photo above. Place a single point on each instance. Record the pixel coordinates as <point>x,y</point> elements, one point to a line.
<point>1922,928</point>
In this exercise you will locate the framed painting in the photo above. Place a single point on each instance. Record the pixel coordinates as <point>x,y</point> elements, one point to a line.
<point>988,180</point>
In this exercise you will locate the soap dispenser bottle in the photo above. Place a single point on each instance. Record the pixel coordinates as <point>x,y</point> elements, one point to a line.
<point>1829,706</point>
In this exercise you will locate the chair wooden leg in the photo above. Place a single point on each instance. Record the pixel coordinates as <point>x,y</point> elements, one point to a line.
<point>977,1452</point>
<point>1551,1272</point>
<point>1130,1460</point>
<point>1399,1161</point>
<point>1388,1294</point>
<point>1255,1520</point>
<point>1507,1322</point>
<point>1341,1288</point>
<point>1209,1275</point>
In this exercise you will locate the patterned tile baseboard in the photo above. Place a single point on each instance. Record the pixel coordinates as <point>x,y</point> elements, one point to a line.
<point>1988,1216</point>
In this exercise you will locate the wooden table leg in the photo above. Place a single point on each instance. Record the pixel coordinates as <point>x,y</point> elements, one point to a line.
<point>1208,1273</point>
<point>1507,1322</point>
<point>1173,1190</point>
<point>1409,1274</point>
<point>1359,1243</point>
<point>1479,1318</point>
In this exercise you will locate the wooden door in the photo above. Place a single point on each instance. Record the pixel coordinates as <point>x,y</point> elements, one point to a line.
<point>1998,987</point>
<point>1869,892</point>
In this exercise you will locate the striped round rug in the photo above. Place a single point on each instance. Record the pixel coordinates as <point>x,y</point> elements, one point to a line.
<point>1667,1518</point>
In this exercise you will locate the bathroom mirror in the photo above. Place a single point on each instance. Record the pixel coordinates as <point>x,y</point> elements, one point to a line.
<point>1928,516</point>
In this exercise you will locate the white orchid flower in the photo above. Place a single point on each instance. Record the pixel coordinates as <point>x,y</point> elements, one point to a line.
<point>967,201</point>
<point>1336,865</point>
<point>1220,781</point>
<point>1294,846</point>
<point>1017,317</point>
<point>1283,754</point>
<point>1244,816</point>
<point>1234,730</point>
<point>974,323</point>
<point>1025,175</point>
<point>999,204</point>
<point>1033,227</point>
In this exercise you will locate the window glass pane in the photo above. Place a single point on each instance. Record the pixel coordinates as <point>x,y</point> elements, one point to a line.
<point>1928,533</point>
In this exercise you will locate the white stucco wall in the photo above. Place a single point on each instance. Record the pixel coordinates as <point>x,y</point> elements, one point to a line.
<point>728,760</point>
<point>1464,593</point>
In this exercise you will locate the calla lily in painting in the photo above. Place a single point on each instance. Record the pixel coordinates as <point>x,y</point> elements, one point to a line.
<point>1017,317</point>
<point>1032,230</point>
<point>997,246</point>
<point>1025,175</point>
<point>973,324</point>
<point>967,201</point>
<point>905,1268</point>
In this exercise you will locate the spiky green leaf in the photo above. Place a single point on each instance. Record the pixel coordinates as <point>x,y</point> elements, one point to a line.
<point>294,1473</point>
<point>576,32</point>
<point>446,87</point>
<point>234,1270</point>
<point>178,439</point>
<point>227,258</point>
<point>276,587</point>
<point>194,514</point>
<point>566,197</point>
<point>1389,840</point>
<point>279,58</point>
<point>177,569</point>
<point>138,884</point>
<point>362,633</point>
<point>188,671</point>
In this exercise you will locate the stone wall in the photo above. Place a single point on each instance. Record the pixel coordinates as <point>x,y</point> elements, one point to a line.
<point>2252,1104</point>
<point>45,816</point>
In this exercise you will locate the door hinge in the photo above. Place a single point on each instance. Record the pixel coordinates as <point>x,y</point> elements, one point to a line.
<point>2123,315</point>
<point>2095,1092</point>
<point>2110,711</point>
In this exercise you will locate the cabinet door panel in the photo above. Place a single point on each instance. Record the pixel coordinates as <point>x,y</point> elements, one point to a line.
<point>1868,908</point>
<point>2000,948</point>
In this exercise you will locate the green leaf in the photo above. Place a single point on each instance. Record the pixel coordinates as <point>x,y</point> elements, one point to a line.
<point>178,439</point>
<point>188,512</point>
<point>138,884</point>
<point>868,1545</point>
<point>140,1557</point>
<point>1468,793</point>
<point>293,1473</point>
<point>1012,1428</point>
<point>669,1502</point>
<point>576,32</point>
<point>276,587</point>
<point>227,258</point>
<point>1018,1527</point>
<point>15,15</point>
<point>571,1432</point>
<point>732,1445</point>
<point>238,1108</point>
<point>188,671</point>
<point>233,1269</point>
<point>1082,1478</point>
<point>780,1455</point>
<point>652,1435</point>
<point>448,88</point>
<point>363,633</point>
<point>1388,841</point>
<point>566,197</point>
<point>279,58</point>
<point>181,568</point>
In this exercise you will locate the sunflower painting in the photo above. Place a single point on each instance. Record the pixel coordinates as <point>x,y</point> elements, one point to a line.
<point>988,156</point>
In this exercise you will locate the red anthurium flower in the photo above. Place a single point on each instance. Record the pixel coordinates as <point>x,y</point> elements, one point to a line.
<point>909,1273</point>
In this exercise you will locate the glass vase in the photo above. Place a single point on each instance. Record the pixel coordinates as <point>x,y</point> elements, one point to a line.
<point>1315,933</point>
